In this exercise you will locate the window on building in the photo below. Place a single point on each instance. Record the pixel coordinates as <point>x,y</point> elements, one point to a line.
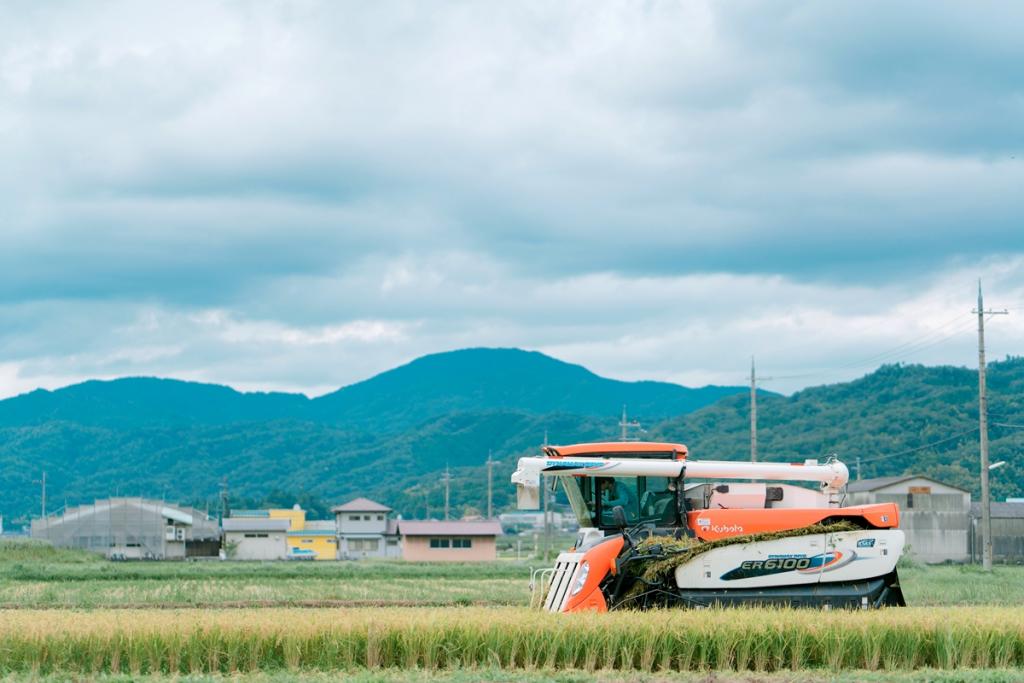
<point>380,518</point>
<point>366,518</point>
<point>363,544</point>
<point>255,535</point>
<point>307,540</point>
<point>462,543</point>
<point>440,543</point>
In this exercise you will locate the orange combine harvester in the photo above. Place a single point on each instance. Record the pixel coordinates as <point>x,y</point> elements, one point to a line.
<point>658,529</point>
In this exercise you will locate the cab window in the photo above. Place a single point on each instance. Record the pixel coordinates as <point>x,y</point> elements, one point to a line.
<point>643,499</point>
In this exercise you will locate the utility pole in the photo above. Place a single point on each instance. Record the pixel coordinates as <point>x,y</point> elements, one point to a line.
<point>544,500</point>
<point>625,425</point>
<point>490,486</point>
<point>447,491</point>
<point>986,500</point>
<point>858,468</point>
<point>753,410</point>
<point>225,511</point>
<point>43,505</point>
<point>547,519</point>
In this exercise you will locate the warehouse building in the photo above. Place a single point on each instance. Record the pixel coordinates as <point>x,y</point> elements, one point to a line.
<point>935,517</point>
<point>450,541</point>
<point>132,529</point>
<point>1007,532</point>
<point>278,534</point>
<point>256,538</point>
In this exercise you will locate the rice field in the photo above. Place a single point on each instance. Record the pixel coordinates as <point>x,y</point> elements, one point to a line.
<point>77,583</point>
<point>63,614</point>
<point>142,642</point>
<point>310,592</point>
<point>492,675</point>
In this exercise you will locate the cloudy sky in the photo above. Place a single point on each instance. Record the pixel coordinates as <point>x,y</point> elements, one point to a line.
<point>298,195</point>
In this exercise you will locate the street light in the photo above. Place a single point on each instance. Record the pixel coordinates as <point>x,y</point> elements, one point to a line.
<point>996,465</point>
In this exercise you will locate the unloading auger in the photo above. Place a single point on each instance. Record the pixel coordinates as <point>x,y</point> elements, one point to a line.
<point>658,530</point>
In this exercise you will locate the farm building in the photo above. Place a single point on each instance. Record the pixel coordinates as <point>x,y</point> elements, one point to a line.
<point>256,538</point>
<point>934,516</point>
<point>1007,532</point>
<point>365,529</point>
<point>452,541</point>
<point>279,533</point>
<point>132,528</point>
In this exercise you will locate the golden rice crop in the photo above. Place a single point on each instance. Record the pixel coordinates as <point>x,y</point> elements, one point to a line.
<point>203,641</point>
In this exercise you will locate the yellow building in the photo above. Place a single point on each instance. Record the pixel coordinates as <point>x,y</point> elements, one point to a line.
<point>317,541</point>
<point>296,517</point>
<point>304,540</point>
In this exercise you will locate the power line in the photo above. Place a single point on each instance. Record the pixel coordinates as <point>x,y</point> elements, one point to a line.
<point>901,351</point>
<point>921,448</point>
<point>907,346</point>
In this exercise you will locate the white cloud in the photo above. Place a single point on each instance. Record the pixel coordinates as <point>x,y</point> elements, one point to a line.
<point>297,196</point>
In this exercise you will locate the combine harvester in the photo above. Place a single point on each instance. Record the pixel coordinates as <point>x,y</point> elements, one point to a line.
<point>658,530</point>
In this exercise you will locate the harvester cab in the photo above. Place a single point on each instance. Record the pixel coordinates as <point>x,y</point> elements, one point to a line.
<point>658,529</point>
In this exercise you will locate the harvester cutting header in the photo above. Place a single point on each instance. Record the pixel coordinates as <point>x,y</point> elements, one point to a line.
<point>659,529</point>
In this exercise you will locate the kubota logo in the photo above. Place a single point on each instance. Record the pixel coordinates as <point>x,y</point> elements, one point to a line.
<point>727,529</point>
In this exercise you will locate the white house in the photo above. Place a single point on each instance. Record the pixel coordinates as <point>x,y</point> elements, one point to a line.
<point>256,538</point>
<point>365,529</point>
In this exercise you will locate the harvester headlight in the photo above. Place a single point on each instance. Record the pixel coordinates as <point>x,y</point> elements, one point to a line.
<point>581,578</point>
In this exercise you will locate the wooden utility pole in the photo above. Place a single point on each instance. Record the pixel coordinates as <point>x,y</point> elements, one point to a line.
<point>986,499</point>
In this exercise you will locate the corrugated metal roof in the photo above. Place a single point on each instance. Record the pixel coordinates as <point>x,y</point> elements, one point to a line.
<point>361,505</point>
<point>862,485</point>
<point>1001,510</point>
<point>450,528</point>
<point>176,514</point>
<point>251,524</point>
<point>321,525</point>
<point>881,482</point>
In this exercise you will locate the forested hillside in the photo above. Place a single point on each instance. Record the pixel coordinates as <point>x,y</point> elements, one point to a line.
<point>886,418</point>
<point>383,436</point>
<point>896,419</point>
